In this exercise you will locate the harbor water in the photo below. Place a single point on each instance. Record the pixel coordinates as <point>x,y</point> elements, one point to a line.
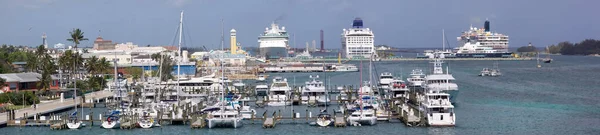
<point>558,98</point>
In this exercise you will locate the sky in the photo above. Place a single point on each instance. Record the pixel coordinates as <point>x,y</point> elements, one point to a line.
<point>398,23</point>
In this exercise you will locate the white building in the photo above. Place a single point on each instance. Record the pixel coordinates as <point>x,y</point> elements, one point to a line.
<point>122,58</point>
<point>357,41</point>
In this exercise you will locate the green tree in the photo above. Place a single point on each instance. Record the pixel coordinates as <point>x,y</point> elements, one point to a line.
<point>76,37</point>
<point>166,65</point>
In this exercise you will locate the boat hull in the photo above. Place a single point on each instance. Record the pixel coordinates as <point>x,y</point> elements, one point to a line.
<point>324,123</point>
<point>216,122</point>
<point>483,55</point>
<point>111,125</point>
<point>74,125</point>
<point>273,52</point>
<point>146,124</point>
<point>362,120</point>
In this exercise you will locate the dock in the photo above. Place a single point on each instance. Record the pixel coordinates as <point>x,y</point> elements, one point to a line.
<point>340,122</point>
<point>52,106</point>
<point>269,123</point>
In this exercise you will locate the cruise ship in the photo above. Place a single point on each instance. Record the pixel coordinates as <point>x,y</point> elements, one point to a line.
<point>481,42</point>
<point>273,42</point>
<point>357,42</point>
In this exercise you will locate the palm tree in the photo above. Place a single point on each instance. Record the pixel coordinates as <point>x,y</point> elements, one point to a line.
<point>46,68</point>
<point>92,65</point>
<point>76,37</point>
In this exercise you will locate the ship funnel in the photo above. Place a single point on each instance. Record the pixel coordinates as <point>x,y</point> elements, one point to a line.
<point>486,26</point>
<point>357,23</point>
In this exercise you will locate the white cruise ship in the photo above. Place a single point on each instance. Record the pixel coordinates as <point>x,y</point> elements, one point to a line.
<point>357,42</point>
<point>481,42</point>
<point>273,42</point>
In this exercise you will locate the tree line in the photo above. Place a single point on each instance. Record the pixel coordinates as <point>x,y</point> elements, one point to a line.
<point>585,47</point>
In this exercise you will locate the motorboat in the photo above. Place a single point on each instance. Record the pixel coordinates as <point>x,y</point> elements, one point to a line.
<point>314,90</point>
<point>385,79</point>
<point>416,78</point>
<point>438,109</point>
<point>262,90</point>
<point>485,72</point>
<point>279,92</point>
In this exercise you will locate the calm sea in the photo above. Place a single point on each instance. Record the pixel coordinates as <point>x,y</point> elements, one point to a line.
<point>559,98</point>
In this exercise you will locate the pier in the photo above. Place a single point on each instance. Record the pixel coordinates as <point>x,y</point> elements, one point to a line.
<point>52,106</point>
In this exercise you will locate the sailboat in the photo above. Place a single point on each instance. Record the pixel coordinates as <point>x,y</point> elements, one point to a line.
<point>365,112</point>
<point>112,121</point>
<point>324,119</point>
<point>224,116</point>
<point>73,122</point>
<point>538,60</point>
<point>547,59</point>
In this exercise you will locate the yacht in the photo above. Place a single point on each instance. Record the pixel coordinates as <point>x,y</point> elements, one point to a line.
<point>262,90</point>
<point>261,77</point>
<point>496,71</point>
<point>112,121</point>
<point>416,78</point>
<point>399,89</point>
<point>314,91</point>
<point>438,109</point>
<point>224,117</point>
<point>440,81</point>
<point>363,115</point>
<point>279,92</point>
<point>385,79</point>
<point>485,72</point>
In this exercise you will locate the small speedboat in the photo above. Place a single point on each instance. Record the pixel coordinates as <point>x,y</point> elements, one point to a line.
<point>324,119</point>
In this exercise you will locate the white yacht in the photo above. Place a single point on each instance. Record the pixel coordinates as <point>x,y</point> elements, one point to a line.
<point>416,78</point>
<point>224,117</point>
<point>385,79</point>
<point>438,109</point>
<point>262,90</point>
<point>363,115</point>
<point>261,77</point>
<point>314,90</point>
<point>440,81</point>
<point>485,72</point>
<point>399,89</point>
<point>279,92</point>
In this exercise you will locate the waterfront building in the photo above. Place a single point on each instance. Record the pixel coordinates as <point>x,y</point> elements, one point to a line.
<point>357,42</point>
<point>101,44</point>
<point>25,81</point>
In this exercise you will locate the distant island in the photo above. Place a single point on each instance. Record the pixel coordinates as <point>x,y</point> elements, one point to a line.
<point>585,47</point>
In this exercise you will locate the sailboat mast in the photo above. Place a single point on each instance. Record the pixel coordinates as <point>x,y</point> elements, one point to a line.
<point>179,59</point>
<point>222,71</point>
<point>443,40</point>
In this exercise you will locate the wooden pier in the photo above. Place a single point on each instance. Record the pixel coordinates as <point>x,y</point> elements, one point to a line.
<point>52,106</point>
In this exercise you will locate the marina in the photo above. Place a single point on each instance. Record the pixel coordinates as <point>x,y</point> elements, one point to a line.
<point>253,70</point>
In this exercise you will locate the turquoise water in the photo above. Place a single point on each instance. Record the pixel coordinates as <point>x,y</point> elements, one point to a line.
<point>559,98</point>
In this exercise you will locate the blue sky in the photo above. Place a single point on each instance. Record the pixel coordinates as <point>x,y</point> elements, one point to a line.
<point>400,23</point>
